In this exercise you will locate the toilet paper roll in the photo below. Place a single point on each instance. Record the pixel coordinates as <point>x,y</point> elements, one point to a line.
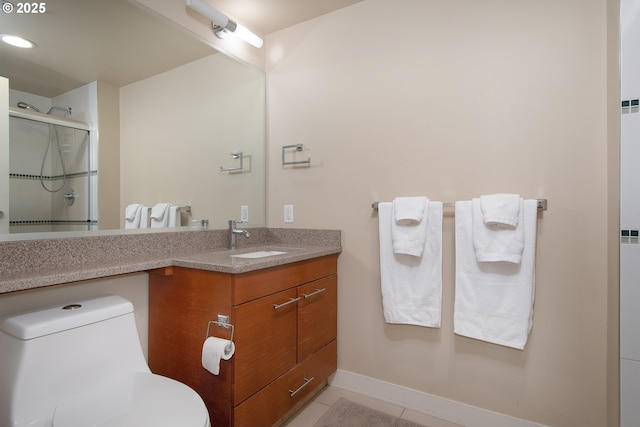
<point>215,349</point>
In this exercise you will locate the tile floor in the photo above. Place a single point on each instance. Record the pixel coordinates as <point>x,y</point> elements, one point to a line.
<point>309,414</point>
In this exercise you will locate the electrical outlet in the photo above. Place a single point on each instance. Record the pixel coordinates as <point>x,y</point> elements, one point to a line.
<point>288,213</point>
<point>244,213</point>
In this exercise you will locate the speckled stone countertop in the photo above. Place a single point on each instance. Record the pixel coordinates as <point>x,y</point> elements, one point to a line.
<point>33,264</point>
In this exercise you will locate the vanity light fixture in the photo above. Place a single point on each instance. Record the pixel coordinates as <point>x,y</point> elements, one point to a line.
<point>17,41</point>
<point>222,25</point>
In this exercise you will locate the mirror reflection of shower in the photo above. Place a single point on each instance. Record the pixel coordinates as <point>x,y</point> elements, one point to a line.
<point>53,138</point>
<point>51,179</point>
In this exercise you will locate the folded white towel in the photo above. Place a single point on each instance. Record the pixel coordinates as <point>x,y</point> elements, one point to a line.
<point>132,215</point>
<point>494,301</point>
<point>501,209</point>
<point>174,216</point>
<point>160,215</point>
<point>409,225</point>
<point>409,210</point>
<point>145,217</point>
<point>493,243</point>
<point>412,287</point>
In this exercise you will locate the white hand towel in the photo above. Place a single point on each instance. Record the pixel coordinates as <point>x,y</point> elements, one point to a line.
<point>409,225</point>
<point>411,286</point>
<point>174,216</point>
<point>501,209</point>
<point>160,215</point>
<point>494,301</point>
<point>213,350</point>
<point>132,215</point>
<point>409,210</point>
<point>493,243</point>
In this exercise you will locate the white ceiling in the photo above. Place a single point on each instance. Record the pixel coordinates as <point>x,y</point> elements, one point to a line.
<point>114,41</point>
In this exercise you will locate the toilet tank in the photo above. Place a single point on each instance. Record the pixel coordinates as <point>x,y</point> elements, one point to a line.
<point>57,352</point>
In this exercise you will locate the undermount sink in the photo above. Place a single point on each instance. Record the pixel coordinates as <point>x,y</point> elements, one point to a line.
<point>258,254</point>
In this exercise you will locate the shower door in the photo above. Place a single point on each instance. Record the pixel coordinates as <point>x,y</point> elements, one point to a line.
<point>49,177</point>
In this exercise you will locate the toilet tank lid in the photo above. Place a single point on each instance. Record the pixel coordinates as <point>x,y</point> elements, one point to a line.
<point>50,320</point>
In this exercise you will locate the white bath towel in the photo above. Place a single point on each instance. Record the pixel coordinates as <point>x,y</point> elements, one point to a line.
<point>501,209</point>
<point>409,225</point>
<point>495,243</point>
<point>132,215</point>
<point>494,301</point>
<point>174,216</point>
<point>411,286</point>
<point>160,215</point>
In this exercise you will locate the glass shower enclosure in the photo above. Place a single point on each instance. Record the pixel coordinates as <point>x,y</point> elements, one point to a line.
<point>50,174</point>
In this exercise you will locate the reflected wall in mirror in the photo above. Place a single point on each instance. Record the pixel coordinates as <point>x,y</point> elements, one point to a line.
<point>166,110</point>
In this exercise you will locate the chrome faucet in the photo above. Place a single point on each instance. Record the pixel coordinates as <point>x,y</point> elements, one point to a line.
<point>233,232</point>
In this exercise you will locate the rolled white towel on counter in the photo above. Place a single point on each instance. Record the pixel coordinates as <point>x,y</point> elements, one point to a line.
<point>215,349</point>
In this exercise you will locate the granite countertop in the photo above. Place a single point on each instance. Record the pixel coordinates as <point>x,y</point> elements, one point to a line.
<point>225,262</point>
<point>36,264</point>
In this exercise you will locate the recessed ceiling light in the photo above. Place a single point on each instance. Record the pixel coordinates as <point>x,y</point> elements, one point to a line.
<point>17,41</point>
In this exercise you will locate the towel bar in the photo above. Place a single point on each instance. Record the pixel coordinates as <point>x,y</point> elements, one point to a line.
<point>236,155</point>
<point>542,205</point>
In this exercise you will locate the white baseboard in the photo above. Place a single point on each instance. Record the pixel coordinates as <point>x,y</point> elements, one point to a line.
<point>449,410</point>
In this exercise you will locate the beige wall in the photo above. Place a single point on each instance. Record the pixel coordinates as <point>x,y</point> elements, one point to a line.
<point>454,99</point>
<point>179,127</point>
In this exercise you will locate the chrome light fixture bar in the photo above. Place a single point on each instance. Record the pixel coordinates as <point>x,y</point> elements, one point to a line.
<point>222,25</point>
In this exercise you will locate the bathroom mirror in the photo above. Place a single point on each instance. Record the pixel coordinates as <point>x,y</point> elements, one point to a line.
<point>184,111</point>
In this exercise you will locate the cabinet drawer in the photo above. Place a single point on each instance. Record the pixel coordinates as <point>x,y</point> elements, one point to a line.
<point>255,284</point>
<point>274,401</point>
<point>265,339</point>
<point>317,315</point>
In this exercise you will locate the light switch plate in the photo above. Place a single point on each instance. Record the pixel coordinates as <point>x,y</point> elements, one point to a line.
<point>244,213</point>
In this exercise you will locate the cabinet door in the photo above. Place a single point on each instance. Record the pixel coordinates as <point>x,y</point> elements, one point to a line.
<point>265,339</point>
<point>317,315</point>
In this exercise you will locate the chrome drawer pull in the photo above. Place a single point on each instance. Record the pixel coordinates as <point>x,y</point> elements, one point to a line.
<point>306,382</point>
<point>316,292</point>
<point>291,301</point>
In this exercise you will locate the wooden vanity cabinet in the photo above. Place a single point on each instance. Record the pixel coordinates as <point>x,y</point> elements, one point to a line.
<point>285,325</point>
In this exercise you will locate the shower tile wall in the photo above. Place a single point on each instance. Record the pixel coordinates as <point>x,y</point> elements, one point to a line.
<point>630,214</point>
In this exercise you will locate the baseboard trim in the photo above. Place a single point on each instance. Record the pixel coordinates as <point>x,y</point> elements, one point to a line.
<point>449,410</point>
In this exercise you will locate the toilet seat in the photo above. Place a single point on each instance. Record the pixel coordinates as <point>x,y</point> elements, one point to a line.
<point>142,400</point>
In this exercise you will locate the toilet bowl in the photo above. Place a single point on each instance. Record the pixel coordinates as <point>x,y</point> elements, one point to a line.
<point>81,364</point>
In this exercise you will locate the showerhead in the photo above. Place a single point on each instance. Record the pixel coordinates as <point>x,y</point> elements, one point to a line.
<point>27,106</point>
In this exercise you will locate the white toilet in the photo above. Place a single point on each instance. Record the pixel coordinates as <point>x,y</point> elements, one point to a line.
<point>81,365</point>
